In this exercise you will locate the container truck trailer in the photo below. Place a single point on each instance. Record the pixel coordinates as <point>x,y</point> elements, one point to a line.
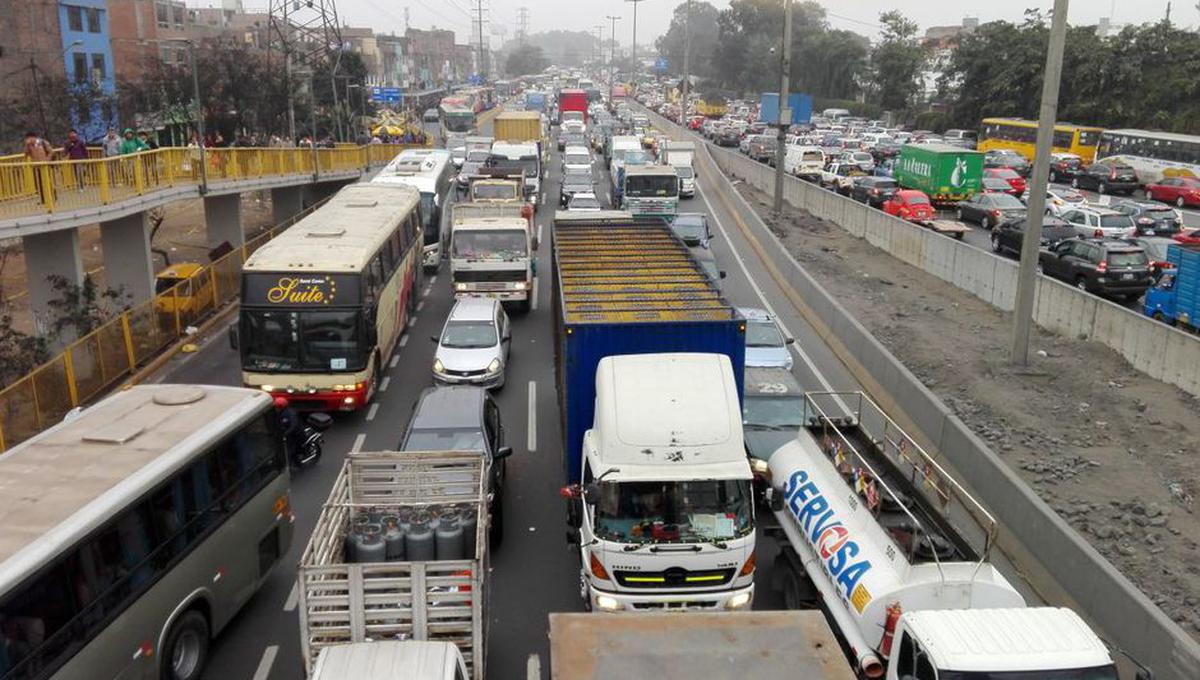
<point>945,173</point>
<point>862,515</point>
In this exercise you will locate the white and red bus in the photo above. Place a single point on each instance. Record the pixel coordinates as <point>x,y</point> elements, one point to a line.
<point>324,303</point>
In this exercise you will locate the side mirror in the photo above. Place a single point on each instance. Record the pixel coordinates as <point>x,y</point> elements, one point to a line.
<point>433,339</point>
<point>233,337</point>
<point>573,536</point>
<point>790,341</point>
<point>723,274</point>
<point>591,493</point>
<point>502,453</point>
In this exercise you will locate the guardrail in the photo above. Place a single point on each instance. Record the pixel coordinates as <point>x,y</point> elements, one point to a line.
<point>1079,573</point>
<point>28,189</point>
<point>96,362</point>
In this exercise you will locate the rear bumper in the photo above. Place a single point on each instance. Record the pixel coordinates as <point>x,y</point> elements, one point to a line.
<point>324,401</point>
<point>606,601</point>
<point>501,295</point>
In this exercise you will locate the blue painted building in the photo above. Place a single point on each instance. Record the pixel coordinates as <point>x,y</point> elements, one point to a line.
<point>88,58</point>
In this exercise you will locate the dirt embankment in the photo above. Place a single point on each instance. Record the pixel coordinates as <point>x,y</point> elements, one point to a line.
<point>1113,451</point>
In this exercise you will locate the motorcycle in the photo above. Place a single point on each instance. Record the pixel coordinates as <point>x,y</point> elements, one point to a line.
<point>304,441</point>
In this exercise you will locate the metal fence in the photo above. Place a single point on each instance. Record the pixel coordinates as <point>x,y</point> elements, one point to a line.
<point>28,188</point>
<point>95,363</point>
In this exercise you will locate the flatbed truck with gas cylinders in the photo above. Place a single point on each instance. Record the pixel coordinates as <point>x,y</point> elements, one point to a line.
<point>862,516</point>
<point>659,488</point>
<point>709,645</point>
<point>395,574</point>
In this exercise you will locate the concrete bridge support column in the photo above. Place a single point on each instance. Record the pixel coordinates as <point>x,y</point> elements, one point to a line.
<point>52,253</point>
<point>223,220</point>
<point>286,202</point>
<point>127,258</point>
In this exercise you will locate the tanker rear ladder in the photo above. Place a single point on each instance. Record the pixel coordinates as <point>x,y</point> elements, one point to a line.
<point>872,442</point>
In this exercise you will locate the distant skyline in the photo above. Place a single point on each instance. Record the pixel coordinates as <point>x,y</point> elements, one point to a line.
<point>654,16</point>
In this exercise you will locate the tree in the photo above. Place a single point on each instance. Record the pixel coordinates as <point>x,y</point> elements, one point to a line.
<point>20,352</point>
<point>80,309</point>
<point>704,30</point>
<point>897,62</point>
<point>525,59</point>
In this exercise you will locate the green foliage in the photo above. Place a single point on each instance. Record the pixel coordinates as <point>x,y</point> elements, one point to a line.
<point>896,62</point>
<point>79,309</point>
<point>20,353</point>
<point>524,60</point>
<point>704,30</point>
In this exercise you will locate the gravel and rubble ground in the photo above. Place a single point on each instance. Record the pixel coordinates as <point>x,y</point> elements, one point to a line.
<point>1113,451</point>
<point>182,235</point>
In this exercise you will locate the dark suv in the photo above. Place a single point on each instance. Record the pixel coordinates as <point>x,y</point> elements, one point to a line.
<point>874,191</point>
<point>463,418</point>
<point>1107,179</point>
<point>1104,267</point>
<point>1009,235</point>
<point>1150,217</point>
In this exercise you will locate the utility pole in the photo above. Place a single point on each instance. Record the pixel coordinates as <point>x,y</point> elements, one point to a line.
<point>522,24</point>
<point>687,53</point>
<point>598,46</point>
<point>633,54</point>
<point>785,111</point>
<point>1031,243</point>
<point>612,54</point>
<point>479,11</point>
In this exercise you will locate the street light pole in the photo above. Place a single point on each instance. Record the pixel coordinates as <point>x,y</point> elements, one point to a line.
<point>687,50</point>
<point>1032,241</point>
<point>633,53</point>
<point>612,53</point>
<point>785,111</point>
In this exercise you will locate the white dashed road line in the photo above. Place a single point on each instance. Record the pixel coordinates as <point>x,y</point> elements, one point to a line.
<point>387,380</point>
<point>293,598</point>
<point>264,664</point>
<point>532,443</point>
<point>372,411</point>
<point>359,440</point>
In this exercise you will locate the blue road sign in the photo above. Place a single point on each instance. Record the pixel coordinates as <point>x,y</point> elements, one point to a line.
<point>661,64</point>
<point>387,95</point>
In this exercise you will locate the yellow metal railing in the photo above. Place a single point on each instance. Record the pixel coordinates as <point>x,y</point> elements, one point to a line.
<point>98,361</point>
<point>28,189</point>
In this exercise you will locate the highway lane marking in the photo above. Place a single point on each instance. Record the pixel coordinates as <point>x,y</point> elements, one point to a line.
<point>539,236</point>
<point>433,279</point>
<point>387,380</point>
<point>533,296</point>
<point>413,321</point>
<point>763,298</point>
<point>293,598</point>
<point>532,426</point>
<point>420,305</point>
<point>372,411</point>
<point>533,667</point>
<point>425,293</point>
<point>264,664</point>
<point>403,342</point>
<point>359,440</point>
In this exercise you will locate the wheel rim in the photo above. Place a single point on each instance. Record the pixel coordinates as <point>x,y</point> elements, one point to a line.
<point>1075,183</point>
<point>985,223</point>
<point>1100,188</point>
<point>995,243</point>
<point>1081,284</point>
<point>958,214</point>
<point>1178,201</point>
<point>185,656</point>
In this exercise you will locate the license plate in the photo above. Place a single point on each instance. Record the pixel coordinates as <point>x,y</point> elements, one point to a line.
<point>1127,277</point>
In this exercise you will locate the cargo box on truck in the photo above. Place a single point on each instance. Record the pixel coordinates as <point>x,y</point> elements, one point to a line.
<point>573,100</point>
<point>627,286</point>
<point>945,173</point>
<point>399,552</point>
<point>1175,298</point>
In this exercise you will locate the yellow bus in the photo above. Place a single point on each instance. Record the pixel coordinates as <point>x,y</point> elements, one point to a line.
<point>1020,135</point>
<point>324,303</point>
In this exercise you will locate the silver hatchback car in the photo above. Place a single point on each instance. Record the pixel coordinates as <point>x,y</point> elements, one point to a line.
<point>766,345</point>
<point>473,346</point>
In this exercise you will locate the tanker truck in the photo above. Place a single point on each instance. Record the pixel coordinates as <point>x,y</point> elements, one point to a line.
<point>862,516</point>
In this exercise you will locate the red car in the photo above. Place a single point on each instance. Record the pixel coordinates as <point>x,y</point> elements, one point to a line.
<point>695,122</point>
<point>1182,191</point>
<point>1191,237</point>
<point>911,205</point>
<point>999,185</point>
<point>1014,179</point>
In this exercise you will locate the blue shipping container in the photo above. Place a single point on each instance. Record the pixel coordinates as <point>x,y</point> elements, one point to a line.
<point>768,109</point>
<point>1176,296</point>
<point>628,287</point>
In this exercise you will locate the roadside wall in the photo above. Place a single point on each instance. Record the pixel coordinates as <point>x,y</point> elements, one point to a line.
<point>1124,615</point>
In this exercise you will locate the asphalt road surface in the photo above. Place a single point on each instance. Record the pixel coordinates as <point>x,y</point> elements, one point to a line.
<point>534,572</point>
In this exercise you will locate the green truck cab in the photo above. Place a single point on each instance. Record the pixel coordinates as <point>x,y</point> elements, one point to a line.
<point>945,173</point>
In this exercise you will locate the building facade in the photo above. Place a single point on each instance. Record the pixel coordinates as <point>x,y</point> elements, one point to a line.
<point>88,64</point>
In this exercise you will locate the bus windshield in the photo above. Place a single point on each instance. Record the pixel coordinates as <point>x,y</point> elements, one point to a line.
<point>458,121</point>
<point>491,244</point>
<point>651,185</point>
<point>696,511</point>
<point>302,340</point>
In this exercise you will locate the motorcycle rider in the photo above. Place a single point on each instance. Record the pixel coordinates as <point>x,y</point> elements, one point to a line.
<point>289,424</point>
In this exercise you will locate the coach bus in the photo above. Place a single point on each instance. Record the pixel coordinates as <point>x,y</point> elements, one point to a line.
<point>1020,135</point>
<point>136,529</point>
<point>431,173</point>
<point>455,116</point>
<point>1153,155</point>
<point>323,304</point>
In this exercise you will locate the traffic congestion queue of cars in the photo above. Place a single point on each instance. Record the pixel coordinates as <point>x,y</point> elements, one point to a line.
<point>1114,247</point>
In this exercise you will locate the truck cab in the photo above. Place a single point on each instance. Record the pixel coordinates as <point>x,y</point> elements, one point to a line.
<point>491,252</point>
<point>528,157</point>
<point>664,511</point>
<point>651,191</point>
<point>390,659</point>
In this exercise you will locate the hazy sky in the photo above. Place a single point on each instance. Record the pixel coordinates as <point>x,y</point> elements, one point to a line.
<point>654,15</point>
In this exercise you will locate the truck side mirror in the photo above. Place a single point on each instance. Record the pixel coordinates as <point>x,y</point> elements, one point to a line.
<point>723,274</point>
<point>591,493</point>
<point>573,536</point>
<point>502,453</point>
<point>233,337</point>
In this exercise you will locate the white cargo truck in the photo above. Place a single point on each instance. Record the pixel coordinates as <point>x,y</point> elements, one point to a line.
<point>863,520</point>
<point>665,513</point>
<point>710,645</point>
<point>650,191</point>
<point>398,556</point>
<point>491,252</point>
<point>679,154</point>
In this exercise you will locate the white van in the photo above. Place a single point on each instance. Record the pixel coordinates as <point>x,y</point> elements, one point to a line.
<point>805,162</point>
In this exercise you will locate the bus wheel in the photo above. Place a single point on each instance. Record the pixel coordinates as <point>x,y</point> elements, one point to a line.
<point>187,647</point>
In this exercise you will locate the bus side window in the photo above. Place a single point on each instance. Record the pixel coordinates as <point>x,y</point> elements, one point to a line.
<point>394,244</point>
<point>33,624</point>
<point>388,260</point>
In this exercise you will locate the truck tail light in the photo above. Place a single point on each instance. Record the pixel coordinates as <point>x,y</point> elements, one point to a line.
<point>598,569</point>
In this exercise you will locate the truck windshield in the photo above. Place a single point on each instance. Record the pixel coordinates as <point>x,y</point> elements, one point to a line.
<point>683,512</point>
<point>651,186</point>
<point>490,244</point>
<point>325,340</point>
<point>495,192</point>
<point>1096,673</point>
<point>769,412</point>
